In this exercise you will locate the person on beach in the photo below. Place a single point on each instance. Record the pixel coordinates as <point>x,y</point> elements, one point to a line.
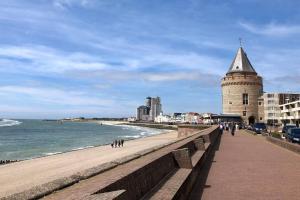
<point>122,142</point>
<point>232,129</point>
<point>119,143</point>
<point>112,145</point>
<point>116,143</point>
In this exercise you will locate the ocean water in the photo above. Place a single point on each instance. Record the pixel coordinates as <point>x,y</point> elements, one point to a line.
<point>26,139</point>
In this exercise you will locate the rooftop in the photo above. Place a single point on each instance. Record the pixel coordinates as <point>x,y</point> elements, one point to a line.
<point>241,63</point>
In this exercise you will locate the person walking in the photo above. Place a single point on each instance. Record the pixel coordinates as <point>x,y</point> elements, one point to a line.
<point>116,143</point>
<point>122,142</point>
<point>221,127</point>
<point>232,129</point>
<point>236,126</point>
<point>112,145</point>
<point>119,143</point>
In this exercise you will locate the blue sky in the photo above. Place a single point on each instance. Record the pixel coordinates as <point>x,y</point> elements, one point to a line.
<point>97,58</point>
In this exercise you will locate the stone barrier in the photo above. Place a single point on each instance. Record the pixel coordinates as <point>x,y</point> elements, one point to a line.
<point>287,145</point>
<point>171,176</point>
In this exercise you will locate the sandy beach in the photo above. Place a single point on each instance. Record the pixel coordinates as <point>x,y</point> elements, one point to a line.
<point>110,122</point>
<point>21,176</point>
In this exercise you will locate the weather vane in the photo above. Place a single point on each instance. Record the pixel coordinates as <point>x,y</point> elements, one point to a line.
<point>240,39</point>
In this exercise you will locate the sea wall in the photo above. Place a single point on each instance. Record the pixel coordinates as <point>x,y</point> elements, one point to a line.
<point>171,176</point>
<point>186,130</point>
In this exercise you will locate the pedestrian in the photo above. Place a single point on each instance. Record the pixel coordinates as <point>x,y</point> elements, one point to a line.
<point>112,145</point>
<point>119,143</point>
<point>232,129</point>
<point>122,142</point>
<point>221,128</point>
<point>116,143</point>
<point>236,126</point>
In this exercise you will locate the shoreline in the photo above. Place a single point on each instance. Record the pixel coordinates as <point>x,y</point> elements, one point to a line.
<point>108,123</point>
<point>38,171</point>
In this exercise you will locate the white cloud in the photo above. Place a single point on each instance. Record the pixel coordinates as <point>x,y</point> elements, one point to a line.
<point>68,3</point>
<point>55,96</point>
<point>45,59</point>
<point>272,29</point>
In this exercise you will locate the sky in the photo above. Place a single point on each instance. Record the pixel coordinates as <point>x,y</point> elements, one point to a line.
<point>102,58</point>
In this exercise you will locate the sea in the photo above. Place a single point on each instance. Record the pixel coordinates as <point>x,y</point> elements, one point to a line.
<point>27,139</point>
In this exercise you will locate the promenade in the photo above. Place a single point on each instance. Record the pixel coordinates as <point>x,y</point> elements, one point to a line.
<point>248,167</point>
<point>20,176</point>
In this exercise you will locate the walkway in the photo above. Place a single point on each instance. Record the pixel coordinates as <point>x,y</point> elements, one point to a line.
<point>248,167</point>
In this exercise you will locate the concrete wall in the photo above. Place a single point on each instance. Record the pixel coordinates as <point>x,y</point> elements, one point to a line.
<point>287,145</point>
<point>186,130</point>
<point>146,181</point>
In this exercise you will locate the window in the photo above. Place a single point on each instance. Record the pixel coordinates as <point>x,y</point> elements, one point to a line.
<point>230,102</point>
<point>245,99</point>
<point>260,118</point>
<point>270,101</point>
<point>259,103</point>
<point>244,113</point>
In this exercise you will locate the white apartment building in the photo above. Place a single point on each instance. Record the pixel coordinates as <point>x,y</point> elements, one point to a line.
<point>271,111</point>
<point>290,112</point>
<point>163,118</point>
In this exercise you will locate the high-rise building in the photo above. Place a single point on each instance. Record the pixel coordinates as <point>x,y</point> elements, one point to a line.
<point>142,113</point>
<point>241,88</point>
<point>148,112</point>
<point>155,108</point>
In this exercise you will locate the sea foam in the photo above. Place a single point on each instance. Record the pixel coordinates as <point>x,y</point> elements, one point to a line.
<point>9,122</point>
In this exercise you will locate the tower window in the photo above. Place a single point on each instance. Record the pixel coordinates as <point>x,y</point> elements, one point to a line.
<point>245,99</point>
<point>244,113</point>
<point>237,67</point>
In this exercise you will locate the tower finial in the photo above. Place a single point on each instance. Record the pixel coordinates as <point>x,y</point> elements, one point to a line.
<point>240,39</point>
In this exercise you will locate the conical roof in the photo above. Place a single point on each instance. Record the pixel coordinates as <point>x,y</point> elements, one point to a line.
<point>241,63</point>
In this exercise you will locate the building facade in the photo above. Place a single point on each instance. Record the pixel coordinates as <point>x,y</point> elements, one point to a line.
<point>271,106</point>
<point>241,88</point>
<point>290,112</point>
<point>155,108</point>
<point>150,111</point>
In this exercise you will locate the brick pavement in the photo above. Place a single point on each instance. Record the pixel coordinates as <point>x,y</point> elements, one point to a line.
<point>249,167</point>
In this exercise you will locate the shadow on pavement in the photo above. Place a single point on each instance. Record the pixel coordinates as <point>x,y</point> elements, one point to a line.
<point>200,185</point>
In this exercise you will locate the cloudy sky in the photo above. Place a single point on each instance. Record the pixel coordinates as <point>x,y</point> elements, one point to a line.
<point>97,58</point>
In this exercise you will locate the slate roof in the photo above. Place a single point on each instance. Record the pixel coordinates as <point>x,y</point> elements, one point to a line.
<point>241,63</point>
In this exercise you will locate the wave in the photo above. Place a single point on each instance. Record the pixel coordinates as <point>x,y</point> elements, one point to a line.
<point>9,122</point>
<point>140,131</point>
<point>50,154</point>
<point>80,148</point>
<point>130,136</point>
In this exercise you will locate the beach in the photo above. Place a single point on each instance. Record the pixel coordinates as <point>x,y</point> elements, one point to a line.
<point>21,176</point>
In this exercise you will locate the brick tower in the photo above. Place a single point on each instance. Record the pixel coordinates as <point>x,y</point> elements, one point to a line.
<point>241,87</point>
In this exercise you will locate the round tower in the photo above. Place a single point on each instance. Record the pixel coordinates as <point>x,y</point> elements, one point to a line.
<point>241,88</point>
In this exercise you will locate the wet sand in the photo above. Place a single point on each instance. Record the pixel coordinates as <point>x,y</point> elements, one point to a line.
<point>21,176</point>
